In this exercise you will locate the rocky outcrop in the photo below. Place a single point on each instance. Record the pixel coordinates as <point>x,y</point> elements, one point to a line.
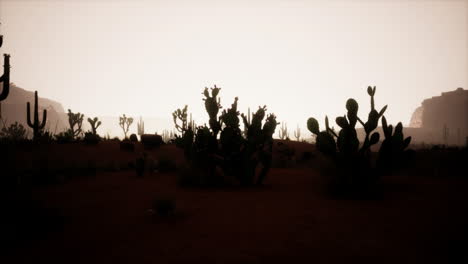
<point>14,109</point>
<point>416,118</point>
<point>442,119</point>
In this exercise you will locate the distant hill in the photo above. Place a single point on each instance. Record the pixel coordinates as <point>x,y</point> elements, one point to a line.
<point>14,109</point>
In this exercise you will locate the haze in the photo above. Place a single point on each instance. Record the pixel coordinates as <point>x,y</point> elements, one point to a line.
<point>300,58</point>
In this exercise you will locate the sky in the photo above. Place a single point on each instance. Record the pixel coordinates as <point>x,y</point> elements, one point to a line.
<point>300,58</point>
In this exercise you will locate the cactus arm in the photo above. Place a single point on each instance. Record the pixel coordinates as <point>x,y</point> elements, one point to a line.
<point>44,120</point>
<point>28,115</point>
<point>382,111</point>
<point>5,78</point>
<point>36,109</point>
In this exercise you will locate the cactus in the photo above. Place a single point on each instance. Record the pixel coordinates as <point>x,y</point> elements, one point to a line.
<point>140,127</point>
<point>283,132</point>
<point>297,133</point>
<point>5,78</point>
<point>393,148</point>
<point>75,120</point>
<point>352,157</point>
<point>95,123</point>
<point>125,123</point>
<point>238,154</point>
<point>180,114</point>
<point>35,124</point>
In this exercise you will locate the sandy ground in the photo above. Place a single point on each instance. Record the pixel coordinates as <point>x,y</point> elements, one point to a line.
<point>289,220</point>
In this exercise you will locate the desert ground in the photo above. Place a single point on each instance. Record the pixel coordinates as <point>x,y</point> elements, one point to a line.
<point>101,213</point>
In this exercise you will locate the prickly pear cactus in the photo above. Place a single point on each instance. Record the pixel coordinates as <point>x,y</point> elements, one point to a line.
<point>237,153</point>
<point>351,156</point>
<point>393,149</point>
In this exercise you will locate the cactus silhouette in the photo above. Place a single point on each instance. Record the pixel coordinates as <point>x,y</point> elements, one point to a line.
<point>180,114</point>
<point>238,154</point>
<point>5,78</point>
<point>95,123</point>
<point>393,148</point>
<point>352,157</point>
<point>283,131</point>
<point>125,123</point>
<point>297,133</point>
<point>75,120</point>
<point>140,127</point>
<point>35,124</point>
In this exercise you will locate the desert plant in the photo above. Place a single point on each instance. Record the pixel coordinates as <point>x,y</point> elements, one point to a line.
<point>15,132</point>
<point>235,155</point>
<point>393,151</point>
<point>297,134</point>
<point>35,124</point>
<point>95,123</point>
<point>91,139</point>
<point>133,138</point>
<point>353,159</point>
<point>64,137</point>
<point>283,131</point>
<point>75,120</point>
<point>5,78</point>
<point>125,123</point>
<point>140,127</point>
<point>167,136</point>
<point>180,114</point>
<point>151,141</point>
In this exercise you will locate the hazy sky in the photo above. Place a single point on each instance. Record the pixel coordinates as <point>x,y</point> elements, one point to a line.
<point>300,58</point>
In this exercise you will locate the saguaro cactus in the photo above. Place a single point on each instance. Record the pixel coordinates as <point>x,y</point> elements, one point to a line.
<point>140,127</point>
<point>5,78</point>
<point>35,124</point>
<point>283,131</point>
<point>297,133</point>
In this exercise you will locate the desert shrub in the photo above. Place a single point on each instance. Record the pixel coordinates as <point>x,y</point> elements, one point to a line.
<point>15,132</point>
<point>235,155</point>
<point>355,174</point>
<point>64,137</point>
<point>133,138</point>
<point>151,141</point>
<point>91,138</point>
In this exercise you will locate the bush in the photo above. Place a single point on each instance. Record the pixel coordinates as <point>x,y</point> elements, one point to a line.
<point>64,137</point>
<point>133,138</point>
<point>151,141</point>
<point>15,132</point>
<point>91,139</point>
